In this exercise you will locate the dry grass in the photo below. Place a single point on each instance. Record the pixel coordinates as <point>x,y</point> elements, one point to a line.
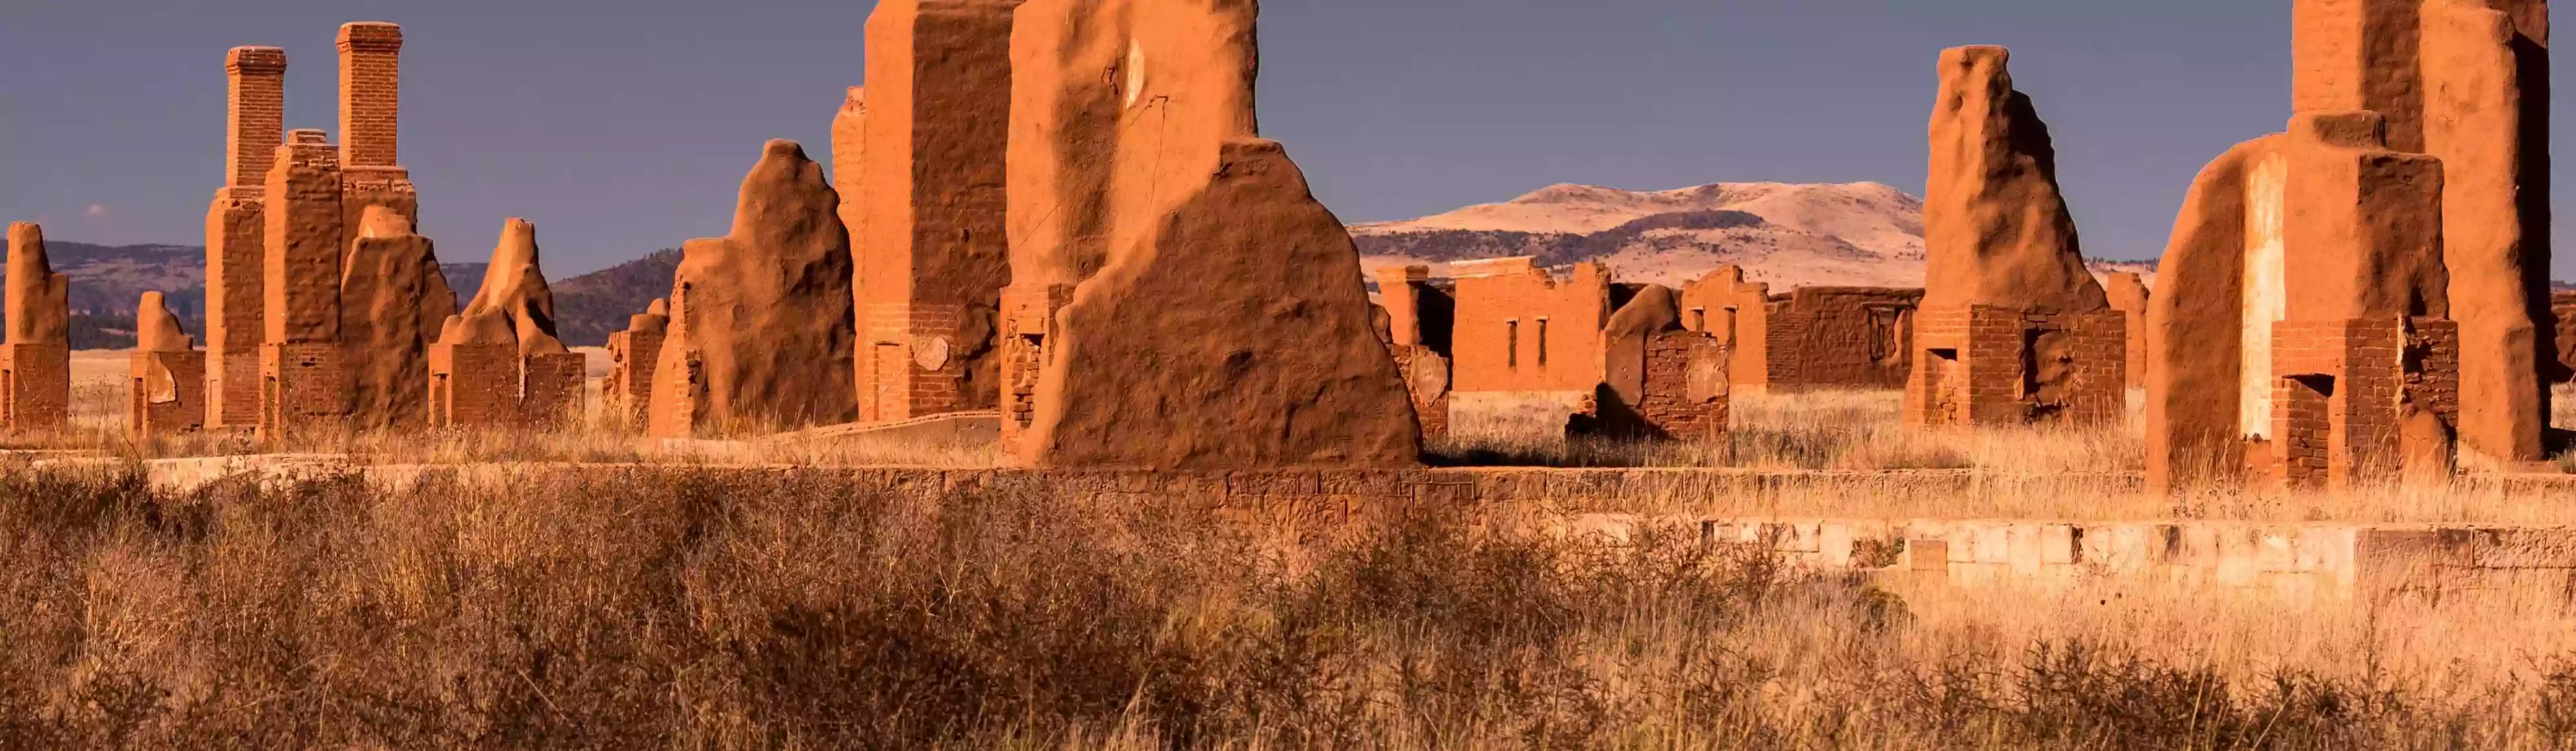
<point>671,609</point>
<point>1826,430</point>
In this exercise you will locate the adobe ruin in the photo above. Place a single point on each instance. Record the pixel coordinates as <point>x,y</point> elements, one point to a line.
<point>627,394</point>
<point>367,179</point>
<point>166,376</point>
<point>2300,339</point>
<point>302,382</point>
<point>255,125</point>
<point>1421,314</point>
<point>2402,225</point>
<point>1807,339</point>
<point>2013,330</point>
<point>932,255</point>
<point>761,326</point>
<point>2128,293</point>
<point>498,361</point>
<point>1543,357</point>
<point>1178,298</point>
<point>393,299</point>
<point>36,358</point>
<point>2484,88</point>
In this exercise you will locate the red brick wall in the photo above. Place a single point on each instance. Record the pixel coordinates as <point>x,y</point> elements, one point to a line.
<point>1994,378</point>
<point>35,386</point>
<point>473,384</point>
<point>1840,337</point>
<point>301,268</point>
<point>550,389</point>
<point>1706,306</point>
<point>2353,436</point>
<point>1671,407</point>
<point>629,389</point>
<point>147,413</point>
<point>300,386</point>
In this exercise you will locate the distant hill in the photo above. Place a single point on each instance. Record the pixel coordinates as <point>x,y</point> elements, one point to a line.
<point>1853,234</point>
<point>107,281</point>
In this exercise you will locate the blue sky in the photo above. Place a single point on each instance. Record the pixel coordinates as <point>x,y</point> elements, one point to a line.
<point>622,131</point>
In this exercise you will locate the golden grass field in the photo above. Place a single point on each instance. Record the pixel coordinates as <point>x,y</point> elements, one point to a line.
<point>669,607</point>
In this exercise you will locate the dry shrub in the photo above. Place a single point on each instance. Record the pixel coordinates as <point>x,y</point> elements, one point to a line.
<point>694,609</point>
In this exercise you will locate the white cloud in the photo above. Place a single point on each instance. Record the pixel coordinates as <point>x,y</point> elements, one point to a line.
<point>95,211</point>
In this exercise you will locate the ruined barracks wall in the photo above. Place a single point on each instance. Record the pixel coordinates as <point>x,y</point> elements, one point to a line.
<point>2013,330</point>
<point>1421,318</point>
<point>1840,337</point>
<point>761,326</point>
<point>36,356</point>
<point>2129,295</point>
<point>301,383</point>
<point>1528,346</point>
<point>2299,337</point>
<point>1178,297</point>
<point>166,376</point>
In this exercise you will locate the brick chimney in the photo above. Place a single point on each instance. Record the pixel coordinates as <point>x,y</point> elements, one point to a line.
<point>370,93</point>
<point>254,114</point>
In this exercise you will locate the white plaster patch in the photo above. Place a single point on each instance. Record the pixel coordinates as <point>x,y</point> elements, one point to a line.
<point>2266,290</point>
<point>1135,72</point>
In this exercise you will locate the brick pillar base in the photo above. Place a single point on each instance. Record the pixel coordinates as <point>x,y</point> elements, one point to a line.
<point>1995,366</point>
<point>550,389</point>
<point>165,393</point>
<point>299,387</point>
<point>1028,318</point>
<point>2362,401</point>
<point>35,386</point>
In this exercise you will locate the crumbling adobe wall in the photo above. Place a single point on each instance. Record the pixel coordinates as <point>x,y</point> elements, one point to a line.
<point>2299,338</point>
<point>35,359</point>
<point>393,299</point>
<point>761,322</point>
<point>1421,318</point>
<point>502,363</point>
<point>1659,379</point>
<point>2485,65</point>
<point>2013,329</point>
<point>2128,295</point>
<point>628,391</point>
<point>1197,307</point>
<point>165,383</point>
<point>2204,331</point>
<point>1738,313</point>
<point>1840,338</point>
<point>1520,328</point>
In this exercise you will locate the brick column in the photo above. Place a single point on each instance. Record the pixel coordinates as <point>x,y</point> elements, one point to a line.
<point>370,93</point>
<point>255,126</point>
<point>254,113</point>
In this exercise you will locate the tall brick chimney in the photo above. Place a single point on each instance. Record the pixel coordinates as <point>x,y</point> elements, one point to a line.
<point>255,114</point>
<point>370,93</point>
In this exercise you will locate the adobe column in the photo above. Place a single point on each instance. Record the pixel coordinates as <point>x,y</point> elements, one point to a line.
<point>255,124</point>
<point>934,256</point>
<point>300,365</point>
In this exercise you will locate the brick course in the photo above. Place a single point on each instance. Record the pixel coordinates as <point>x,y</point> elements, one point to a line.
<point>165,393</point>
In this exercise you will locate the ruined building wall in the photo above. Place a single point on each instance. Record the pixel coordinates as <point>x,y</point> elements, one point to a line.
<point>2465,81</point>
<point>1738,314</point>
<point>35,358</point>
<point>1421,318</point>
<point>1521,329</point>
<point>2013,329</point>
<point>393,299</point>
<point>255,125</point>
<point>2129,296</point>
<point>498,361</point>
<point>166,375</point>
<point>761,322</point>
<point>934,255</point>
<point>1839,338</point>
<point>628,390</point>
<point>1271,361</point>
